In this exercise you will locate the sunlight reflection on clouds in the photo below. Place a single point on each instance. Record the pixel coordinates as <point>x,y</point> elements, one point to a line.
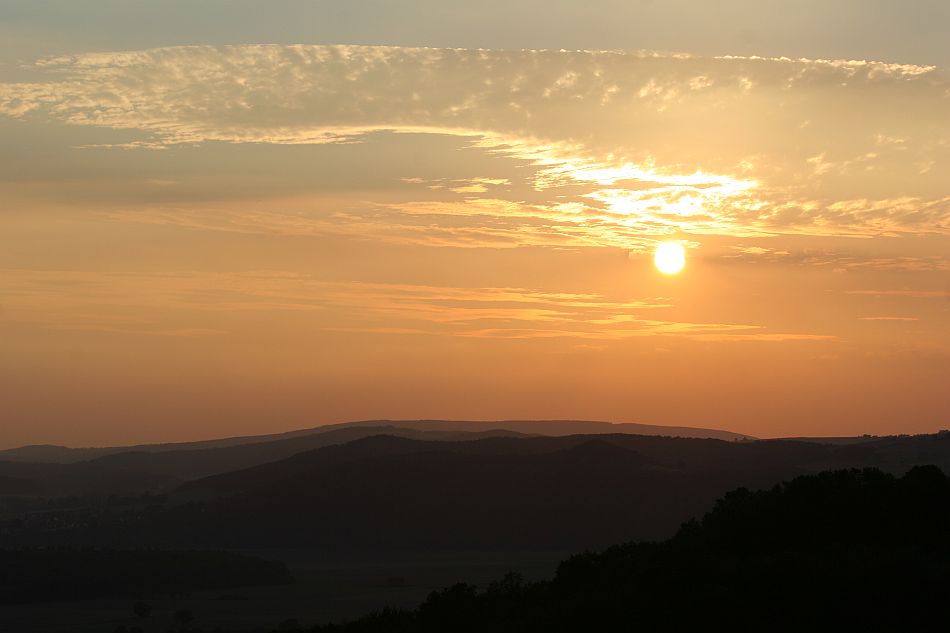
<point>626,147</point>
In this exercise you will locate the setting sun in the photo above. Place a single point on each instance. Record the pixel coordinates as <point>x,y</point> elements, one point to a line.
<point>669,258</point>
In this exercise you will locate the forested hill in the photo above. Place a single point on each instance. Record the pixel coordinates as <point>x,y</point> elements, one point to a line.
<point>857,550</point>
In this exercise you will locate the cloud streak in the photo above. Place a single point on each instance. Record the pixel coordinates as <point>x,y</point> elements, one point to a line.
<point>903,292</point>
<point>192,304</point>
<point>624,147</point>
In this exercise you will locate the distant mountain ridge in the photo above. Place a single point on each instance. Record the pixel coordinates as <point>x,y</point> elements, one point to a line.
<point>566,427</point>
<point>55,454</point>
<point>137,471</point>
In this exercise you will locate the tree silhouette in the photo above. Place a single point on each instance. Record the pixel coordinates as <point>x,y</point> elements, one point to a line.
<point>142,609</point>
<point>183,618</point>
<point>838,551</point>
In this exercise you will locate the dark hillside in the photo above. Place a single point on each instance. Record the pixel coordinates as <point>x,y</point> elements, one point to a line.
<point>386,493</point>
<point>135,472</point>
<point>857,550</point>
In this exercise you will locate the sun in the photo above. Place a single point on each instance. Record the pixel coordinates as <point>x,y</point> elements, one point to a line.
<point>669,258</point>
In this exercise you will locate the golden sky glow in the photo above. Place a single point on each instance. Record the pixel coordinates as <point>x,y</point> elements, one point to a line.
<point>212,240</point>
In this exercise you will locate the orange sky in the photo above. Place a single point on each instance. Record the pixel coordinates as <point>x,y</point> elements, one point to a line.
<point>203,241</point>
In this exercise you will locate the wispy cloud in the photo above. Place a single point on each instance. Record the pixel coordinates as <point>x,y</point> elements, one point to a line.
<point>610,137</point>
<point>181,304</point>
<point>835,259</point>
<point>904,292</point>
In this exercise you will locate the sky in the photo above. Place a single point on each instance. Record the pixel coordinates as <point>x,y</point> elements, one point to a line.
<point>225,218</point>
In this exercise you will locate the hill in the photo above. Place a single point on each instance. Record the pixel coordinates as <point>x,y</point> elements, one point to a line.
<point>561,427</point>
<point>663,453</point>
<point>141,471</point>
<point>52,454</point>
<point>388,493</point>
<point>840,551</point>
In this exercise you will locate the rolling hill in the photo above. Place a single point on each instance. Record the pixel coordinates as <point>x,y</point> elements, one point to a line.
<point>395,493</point>
<point>411,489</point>
<point>140,471</point>
<point>52,454</point>
<point>157,468</point>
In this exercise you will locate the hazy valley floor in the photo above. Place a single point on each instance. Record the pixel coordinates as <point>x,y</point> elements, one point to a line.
<point>325,590</point>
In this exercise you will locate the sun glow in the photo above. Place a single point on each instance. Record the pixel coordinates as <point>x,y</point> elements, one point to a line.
<point>669,258</point>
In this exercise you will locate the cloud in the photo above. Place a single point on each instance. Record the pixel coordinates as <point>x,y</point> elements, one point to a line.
<point>776,337</point>
<point>838,260</point>
<point>186,303</point>
<point>914,294</point>
<point>620,145</point>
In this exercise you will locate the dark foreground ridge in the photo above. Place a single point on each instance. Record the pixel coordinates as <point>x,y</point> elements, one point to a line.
<point>850,550</point>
